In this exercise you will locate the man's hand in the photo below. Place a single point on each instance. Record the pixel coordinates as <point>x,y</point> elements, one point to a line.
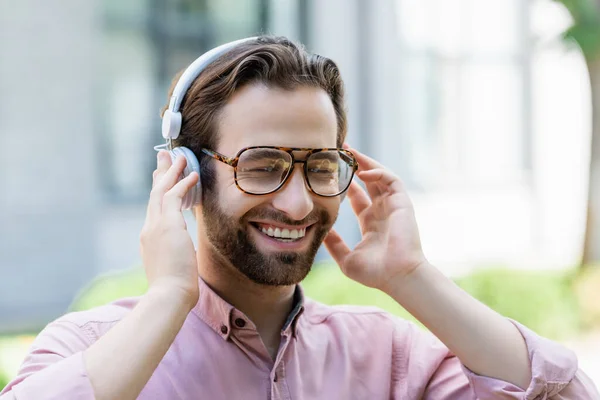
<point>390,248</point>
<point>390,258</point>
<point>166,247</point>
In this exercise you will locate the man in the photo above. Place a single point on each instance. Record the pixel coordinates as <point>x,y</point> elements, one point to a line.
<point>229,320</point>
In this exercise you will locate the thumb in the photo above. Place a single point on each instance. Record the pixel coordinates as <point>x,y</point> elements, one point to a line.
<point>336,246</point>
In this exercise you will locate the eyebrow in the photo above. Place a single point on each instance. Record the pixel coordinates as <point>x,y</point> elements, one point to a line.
<point>257,154</point>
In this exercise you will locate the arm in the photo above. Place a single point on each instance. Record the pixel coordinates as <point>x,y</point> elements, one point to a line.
<point>484,341</point>
<point>451,380</point>
<point>554,370</point>
<point>120,363</point>
<point>55,366</point>
<point>439,374</point>
<point>390,258</point>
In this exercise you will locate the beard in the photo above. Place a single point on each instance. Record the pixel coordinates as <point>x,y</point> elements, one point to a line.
<point>232,243</point>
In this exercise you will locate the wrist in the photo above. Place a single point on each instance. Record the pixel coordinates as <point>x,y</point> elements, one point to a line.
<point>166,293</point>
<point>398,283</point>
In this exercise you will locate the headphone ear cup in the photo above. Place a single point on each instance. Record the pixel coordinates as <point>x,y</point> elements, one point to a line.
<point>171,124</point>
<point>194,195</point>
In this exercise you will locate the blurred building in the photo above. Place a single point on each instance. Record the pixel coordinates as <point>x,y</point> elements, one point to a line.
<point>474,103</point>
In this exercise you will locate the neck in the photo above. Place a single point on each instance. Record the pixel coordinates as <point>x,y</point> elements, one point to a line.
<point>267,306</point>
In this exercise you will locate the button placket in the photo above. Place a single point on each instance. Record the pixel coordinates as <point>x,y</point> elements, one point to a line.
<point>279,387</point>
<point>278,374</point>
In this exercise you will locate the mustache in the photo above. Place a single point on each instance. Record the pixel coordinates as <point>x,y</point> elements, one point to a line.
<point>273,215</point>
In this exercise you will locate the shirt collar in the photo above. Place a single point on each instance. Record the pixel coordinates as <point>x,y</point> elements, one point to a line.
<point>291,324</point>
<point>221,316</point>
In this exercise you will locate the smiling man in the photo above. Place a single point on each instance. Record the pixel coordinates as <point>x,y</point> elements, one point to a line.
<point>229,320</point>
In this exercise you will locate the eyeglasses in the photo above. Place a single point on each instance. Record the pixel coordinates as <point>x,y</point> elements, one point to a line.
<point>260,170</point>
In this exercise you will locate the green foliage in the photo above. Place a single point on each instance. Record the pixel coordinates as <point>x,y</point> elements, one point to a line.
<point>110,287</point>
<point>541,300</point>
<point>585,30</point>
<point>587,287</point>
<point>3,380</point>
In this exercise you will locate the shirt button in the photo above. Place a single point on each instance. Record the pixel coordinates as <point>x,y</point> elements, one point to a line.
<point>223,329</point>
<point>240,323</point>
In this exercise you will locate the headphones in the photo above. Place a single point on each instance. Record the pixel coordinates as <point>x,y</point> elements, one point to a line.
<point>171,119</point>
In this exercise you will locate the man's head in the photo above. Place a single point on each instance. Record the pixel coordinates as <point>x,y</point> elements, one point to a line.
<point>267,92</point>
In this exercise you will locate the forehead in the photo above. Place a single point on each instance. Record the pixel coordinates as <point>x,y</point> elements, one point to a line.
<point>257,115</point>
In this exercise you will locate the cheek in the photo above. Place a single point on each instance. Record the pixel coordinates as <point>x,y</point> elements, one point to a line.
<point>231,201</point>
<point>228,198</point>
<point>331,206</point>
<point>236,203</point>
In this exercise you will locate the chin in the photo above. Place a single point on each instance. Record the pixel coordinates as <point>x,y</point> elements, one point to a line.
<point>277,269</point>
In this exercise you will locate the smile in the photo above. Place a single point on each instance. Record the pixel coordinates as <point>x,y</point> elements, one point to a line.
<point>281,234</point>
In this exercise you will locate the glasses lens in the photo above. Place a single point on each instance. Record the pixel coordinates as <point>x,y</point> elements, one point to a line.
<point>330,172</point>
<point>262,170</point>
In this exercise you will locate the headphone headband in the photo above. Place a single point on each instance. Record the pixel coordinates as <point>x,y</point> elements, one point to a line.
<point>171,125</point>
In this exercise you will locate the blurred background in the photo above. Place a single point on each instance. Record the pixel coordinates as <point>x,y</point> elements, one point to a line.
<point>485,108</point>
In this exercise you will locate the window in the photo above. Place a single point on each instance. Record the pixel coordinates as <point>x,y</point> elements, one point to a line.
<point>145,43</point>
<point>464,90</point>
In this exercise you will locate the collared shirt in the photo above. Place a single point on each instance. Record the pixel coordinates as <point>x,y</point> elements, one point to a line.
<point>341,352</point>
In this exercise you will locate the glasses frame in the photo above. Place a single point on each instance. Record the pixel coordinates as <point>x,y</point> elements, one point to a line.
<point>233,162</point>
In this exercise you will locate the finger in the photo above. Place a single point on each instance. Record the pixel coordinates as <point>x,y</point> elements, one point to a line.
<point>154,174</point>
<point>365,162</point>
<point>384,179</point>
<point>163,164</point>
<point>359,199</point>
<point>336,246</point>
<point>173,199</point>
<point>163,184</point>
<point>172,175</point>
<point>346,146</point>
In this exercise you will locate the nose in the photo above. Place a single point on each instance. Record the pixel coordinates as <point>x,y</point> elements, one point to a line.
<point>294,198</point>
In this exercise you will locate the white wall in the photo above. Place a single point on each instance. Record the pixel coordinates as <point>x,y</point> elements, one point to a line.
<point>47,159</point>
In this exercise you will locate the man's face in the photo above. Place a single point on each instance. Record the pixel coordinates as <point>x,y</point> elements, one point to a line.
<point>233,221</point>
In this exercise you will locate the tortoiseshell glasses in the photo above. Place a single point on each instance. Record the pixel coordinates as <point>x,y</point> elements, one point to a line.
<point>262,170</point>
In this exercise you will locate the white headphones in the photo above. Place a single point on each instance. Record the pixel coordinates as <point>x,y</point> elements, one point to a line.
<point>171,119</point>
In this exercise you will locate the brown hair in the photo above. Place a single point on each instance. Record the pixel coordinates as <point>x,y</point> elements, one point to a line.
<point>272,61</point>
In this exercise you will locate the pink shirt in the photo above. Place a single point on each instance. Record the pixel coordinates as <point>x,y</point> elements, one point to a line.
<point>326,352</point>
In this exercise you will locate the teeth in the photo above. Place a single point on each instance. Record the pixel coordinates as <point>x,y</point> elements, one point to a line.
<point>284,233</point>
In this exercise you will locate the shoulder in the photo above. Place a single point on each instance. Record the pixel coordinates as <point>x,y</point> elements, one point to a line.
<point>317,313</point>
<point>111,312</point>
<point>405,334</point>
<point>93,323</point>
